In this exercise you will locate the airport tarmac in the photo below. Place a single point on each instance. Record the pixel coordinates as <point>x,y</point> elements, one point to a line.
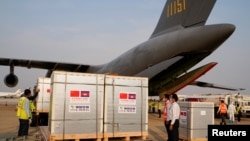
<point>9,124</point>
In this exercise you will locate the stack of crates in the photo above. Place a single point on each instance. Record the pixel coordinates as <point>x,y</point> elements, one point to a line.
<point>97,106</point>
<point>43,100</point>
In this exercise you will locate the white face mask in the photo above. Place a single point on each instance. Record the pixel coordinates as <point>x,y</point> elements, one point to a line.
<point>170,99</point>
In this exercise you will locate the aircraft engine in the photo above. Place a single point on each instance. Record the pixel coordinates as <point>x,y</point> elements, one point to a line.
<point>11,80</point>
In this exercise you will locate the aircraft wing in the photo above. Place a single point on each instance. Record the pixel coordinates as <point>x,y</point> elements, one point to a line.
<point>50,66</point>
<point>216,86</point>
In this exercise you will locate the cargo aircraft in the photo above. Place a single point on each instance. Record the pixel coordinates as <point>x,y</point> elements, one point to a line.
<point>11,94</point>
<point>179,41</point>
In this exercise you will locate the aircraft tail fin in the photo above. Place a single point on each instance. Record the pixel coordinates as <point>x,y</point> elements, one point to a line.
<point>18,91</point>
<point>183,13</point>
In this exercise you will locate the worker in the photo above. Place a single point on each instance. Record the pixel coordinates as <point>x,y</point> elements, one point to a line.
<point>238,112</point>
<point>223,112</point>
<point>159,105</point>
<point>174,123</point>
<point>32,106</point>
<point>24,114</point>
<point>231,111</point>
<point>166,114</point>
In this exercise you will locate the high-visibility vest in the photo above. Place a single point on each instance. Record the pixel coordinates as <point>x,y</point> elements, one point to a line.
<point>153,104</point>
<point>159,105</point>
<point>21,109</point>
<point>238,110</point>
<point>150,103</point>
<point>32,106</point>
<point>223,108</point>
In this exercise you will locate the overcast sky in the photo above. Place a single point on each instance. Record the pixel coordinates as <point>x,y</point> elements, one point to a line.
<point>95,32</point>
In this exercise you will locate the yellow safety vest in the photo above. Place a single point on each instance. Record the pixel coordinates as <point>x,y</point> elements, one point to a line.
<point>21,108</point>
<point>159,105</point>
<point>32,106</point>
<point>238,110</point>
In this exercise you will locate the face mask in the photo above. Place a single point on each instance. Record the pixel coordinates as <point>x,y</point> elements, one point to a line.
<point>170,99</point>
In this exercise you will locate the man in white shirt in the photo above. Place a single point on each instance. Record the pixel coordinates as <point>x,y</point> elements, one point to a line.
<point>174,119</point>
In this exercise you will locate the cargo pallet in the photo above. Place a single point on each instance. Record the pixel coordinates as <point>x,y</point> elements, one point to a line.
<point>125,136</point>
<point>122,136</point>
<point>182,138</point>
<point>41,111</point>
<point>42,117</point>
<point>76,137</point>
<point>196,139</point>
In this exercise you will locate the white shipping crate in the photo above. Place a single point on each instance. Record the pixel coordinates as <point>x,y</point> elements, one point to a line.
<point>126,106</point>
<point>99,105</point>
<point>43,98</point>
<point>76,103</point>
<point>195,118</point>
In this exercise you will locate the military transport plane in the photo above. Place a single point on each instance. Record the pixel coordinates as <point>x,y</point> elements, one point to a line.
<point>180,40</point>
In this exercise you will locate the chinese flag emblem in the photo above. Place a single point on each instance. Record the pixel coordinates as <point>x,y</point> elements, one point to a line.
<point>123,96</point>
<point>74,93</point>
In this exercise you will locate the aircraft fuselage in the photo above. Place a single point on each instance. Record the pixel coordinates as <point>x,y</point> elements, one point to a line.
<point>166,46</point>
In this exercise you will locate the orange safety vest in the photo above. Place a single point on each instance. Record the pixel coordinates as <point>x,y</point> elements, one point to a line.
<point>165,111</point>
<point>223,108</point>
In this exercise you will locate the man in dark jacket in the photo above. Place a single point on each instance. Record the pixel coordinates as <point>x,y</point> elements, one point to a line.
<point>32,103</point>
<point>32,100</point>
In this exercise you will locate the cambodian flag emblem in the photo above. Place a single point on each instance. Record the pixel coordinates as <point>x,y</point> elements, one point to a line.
<point>131,96</point>
<point>84,93</point>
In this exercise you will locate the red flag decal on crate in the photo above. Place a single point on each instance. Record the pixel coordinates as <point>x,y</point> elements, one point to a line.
<point>123,95</point>
<point>74,93</point>
<point>183,113</point>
